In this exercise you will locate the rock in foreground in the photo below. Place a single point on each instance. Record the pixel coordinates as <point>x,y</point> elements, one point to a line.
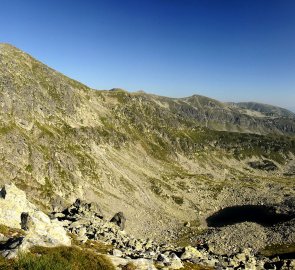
<point>17,212</point>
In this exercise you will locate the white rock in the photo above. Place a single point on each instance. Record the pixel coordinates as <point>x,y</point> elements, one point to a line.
<point>191,253</point>
<point>141,264</point>
<point>42,232</point>
<point>175,262</point>
<point>117,253</point>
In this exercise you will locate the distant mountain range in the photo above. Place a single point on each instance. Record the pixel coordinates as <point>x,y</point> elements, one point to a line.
<point>268,110</point>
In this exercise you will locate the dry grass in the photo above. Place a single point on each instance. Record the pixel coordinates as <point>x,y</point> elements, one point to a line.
<point>129,266</point>
<point>58,258</point>
<point>188,266</point>
<point>11,232</point>
<point>192,266</point>
<point>93,245</point>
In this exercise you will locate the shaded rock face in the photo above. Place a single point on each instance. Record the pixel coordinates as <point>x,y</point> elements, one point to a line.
<point>25,220</point>
<point>119,220</point>
<point>266,165</point>
<point>3,193</point>
<point>18,212</point>
<point>81,208</point>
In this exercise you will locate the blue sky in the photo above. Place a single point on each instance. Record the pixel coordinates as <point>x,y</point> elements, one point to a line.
<point>231,50</point>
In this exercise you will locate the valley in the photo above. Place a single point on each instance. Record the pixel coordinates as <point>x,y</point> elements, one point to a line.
<point>169,164</point>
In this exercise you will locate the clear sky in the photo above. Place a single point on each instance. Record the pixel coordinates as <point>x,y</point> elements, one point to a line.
<point>231,50</point>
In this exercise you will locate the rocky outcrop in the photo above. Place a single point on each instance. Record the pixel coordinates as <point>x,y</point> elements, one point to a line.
<point>39,229</point>
<point>85,220</point>
<point>89,224</point>
<point>145,253</point>
<point>119,219</point>
<point>86,224</point>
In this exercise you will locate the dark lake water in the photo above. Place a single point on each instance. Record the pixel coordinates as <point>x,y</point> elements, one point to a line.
<point>260,214</point>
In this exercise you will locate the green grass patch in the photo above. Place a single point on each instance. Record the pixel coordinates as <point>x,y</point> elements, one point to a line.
<point>93,245</point>
<point>29,168</point>
<point>48,188</point>
<point>58,258</point>
<point>6,129</point>
<point>187,233</point>
<point>9,232</point>
<point>192,266</point>
<point>44,129</point>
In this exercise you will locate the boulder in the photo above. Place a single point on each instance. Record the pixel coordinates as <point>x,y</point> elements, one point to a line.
<point>81,208</point>
<point>175,262</point>
<point>57,203</point>
<point>240,257</point>
<point>190,253</point>
<point>3,193</point>
<point>119,219</point>
<point>138,246</point>
<point>81,236</point>
<point>11,247</point>
<point>164,259</point>
<point>3,238</point>
<point>18,212</point>
<point>25,221</point>
<point>117,253</point>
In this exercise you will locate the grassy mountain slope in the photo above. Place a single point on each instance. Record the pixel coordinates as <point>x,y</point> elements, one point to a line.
<point>161,161</point>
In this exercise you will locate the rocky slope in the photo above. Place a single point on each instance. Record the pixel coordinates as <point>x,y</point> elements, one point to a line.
<point>89,232</point>
<point>161,161</point>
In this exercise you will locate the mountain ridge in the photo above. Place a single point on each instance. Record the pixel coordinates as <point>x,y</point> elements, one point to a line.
<point>246,105</point>
<point>142,154</point>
